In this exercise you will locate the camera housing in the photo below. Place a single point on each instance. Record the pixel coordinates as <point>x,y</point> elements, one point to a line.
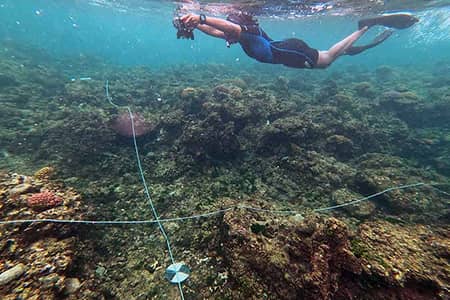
<point>182,31</point>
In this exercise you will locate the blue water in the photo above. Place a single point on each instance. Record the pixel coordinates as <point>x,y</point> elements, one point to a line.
<point>142,34</point>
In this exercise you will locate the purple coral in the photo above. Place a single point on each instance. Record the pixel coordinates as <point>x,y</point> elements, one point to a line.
<point>122,125</point>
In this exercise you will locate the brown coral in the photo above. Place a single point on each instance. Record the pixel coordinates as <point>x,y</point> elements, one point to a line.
<point>44,173</point>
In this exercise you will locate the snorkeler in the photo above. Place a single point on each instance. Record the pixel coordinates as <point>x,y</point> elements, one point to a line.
<point>244,29</point>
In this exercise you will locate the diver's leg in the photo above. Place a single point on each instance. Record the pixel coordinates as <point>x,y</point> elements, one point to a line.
<point>329,56</point>
<point>354,50</point>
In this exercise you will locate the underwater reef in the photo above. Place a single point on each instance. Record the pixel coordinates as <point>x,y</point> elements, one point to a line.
<point>220,138</point>
<point>322,258</point>
<point>37,258</point>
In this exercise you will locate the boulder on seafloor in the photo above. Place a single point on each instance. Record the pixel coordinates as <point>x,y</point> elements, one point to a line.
<point>12,274</point>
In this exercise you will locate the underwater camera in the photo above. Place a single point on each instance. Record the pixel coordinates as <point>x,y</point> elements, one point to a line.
<point>182,31</point>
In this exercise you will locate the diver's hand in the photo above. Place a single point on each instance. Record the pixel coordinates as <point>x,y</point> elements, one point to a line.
<point>190,20</point>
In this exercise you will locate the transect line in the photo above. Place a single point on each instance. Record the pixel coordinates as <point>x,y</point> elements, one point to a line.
<point>368,197</point>
<point>234,207</point>
<point>144,182</point>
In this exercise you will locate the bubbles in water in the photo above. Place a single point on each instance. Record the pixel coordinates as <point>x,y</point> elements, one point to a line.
<point>434,26</point>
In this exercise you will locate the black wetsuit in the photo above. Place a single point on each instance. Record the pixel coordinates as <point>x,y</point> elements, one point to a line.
<point>292,52</point>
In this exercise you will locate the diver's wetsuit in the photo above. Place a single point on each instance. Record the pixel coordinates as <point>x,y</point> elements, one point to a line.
<point>292,52</point>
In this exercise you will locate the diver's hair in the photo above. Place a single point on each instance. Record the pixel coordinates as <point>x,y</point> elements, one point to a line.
<point>243,18</point>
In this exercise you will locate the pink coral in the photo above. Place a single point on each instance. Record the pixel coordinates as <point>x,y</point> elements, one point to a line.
<point>43,200</point>
<point>122,125</point>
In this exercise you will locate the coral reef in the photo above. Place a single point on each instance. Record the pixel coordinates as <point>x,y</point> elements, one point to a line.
<point>308,261</point>
<point>36,258</point>
<point>321,258</point>
<point>284,139</point>
<point>410,260</point>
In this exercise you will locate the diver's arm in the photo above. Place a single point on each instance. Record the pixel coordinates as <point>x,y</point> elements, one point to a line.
<point>230,29</point>
<point>211,31</point>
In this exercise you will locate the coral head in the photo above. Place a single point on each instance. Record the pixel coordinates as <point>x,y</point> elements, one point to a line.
<point>43,200</point>
<point>122,125</point>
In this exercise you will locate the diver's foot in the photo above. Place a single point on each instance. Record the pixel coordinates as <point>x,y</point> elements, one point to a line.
<point>394,20</point>
<point>353,50</point>
<point>382,37</point>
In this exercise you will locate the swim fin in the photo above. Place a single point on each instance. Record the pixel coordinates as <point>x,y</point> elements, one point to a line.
<point>394,20</point>
<point>353,50</point>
